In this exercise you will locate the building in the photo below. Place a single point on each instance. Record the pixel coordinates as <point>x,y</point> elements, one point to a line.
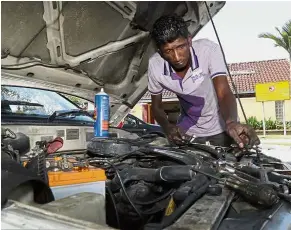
<point>245,76</point>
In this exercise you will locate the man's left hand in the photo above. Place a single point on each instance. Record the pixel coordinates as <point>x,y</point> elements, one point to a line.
<point>242,134</point>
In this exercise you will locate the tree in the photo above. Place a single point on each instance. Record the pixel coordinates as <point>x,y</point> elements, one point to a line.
<point>7,93</point>
<point>76,100</point>
<point>284,40</point>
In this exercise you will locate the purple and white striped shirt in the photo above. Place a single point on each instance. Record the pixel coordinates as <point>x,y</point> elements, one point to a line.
<point>199,104</point>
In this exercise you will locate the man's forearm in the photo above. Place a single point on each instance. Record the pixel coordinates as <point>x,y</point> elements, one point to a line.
<point>161,117</point>
<point>228,108</point>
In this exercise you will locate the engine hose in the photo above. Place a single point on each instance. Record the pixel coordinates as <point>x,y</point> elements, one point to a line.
<point>114,205</point>
<point>164,196</point>
<point>12,154</point>
<point>262,175</point>
<point>125,193</point>
<point>158,208</point>
<point>177,154</point>
<point>38,166</point>
<point>246,176</point>
<point>41,167</point>
<point>192,198</point>
<point>169,174</point>
<point>276,177</point>
<point>113,159</point>
<point>214,153</point>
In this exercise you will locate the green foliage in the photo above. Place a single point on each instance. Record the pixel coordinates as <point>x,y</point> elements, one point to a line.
<point>270,124</point>
<point>76,100</point>
<point>255,123</point>
<point>284,39</point>
<point>8,93</point>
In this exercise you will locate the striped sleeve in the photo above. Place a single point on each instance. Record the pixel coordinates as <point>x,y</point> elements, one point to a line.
<point>216,65</point>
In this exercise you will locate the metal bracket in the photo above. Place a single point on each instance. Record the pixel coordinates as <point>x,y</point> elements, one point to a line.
<point>51,17</point>
<point>123,110</point>
<point>18,79</point>
<point>126,9</point>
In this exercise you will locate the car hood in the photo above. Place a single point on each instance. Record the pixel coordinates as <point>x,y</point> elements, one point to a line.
<point>79,47</point>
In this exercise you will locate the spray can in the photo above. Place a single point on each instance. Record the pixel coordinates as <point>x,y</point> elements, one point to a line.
<point>101,115</point>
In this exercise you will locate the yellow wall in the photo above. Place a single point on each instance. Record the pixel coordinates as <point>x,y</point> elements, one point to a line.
<point>253,108</point>
<point>137,111</point>
<point>288,110</point>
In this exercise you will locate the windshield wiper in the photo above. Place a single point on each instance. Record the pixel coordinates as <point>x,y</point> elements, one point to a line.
<point>63,113</point>
<point>7,102</point>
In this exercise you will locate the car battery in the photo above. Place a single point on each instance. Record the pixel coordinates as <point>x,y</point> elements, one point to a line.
<point>77,180</point>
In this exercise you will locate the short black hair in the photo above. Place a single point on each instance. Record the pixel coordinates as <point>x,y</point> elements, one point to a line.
<point>168,28</point>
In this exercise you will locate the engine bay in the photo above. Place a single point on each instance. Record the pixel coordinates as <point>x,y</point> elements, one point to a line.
<point>148,184</point>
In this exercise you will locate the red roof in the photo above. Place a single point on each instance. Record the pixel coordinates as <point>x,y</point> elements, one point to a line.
<point>247,74</point>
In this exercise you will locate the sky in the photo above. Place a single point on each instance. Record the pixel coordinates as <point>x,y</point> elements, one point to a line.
<point>238,24</point>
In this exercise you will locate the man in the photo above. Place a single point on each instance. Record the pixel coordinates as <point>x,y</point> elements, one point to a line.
<point>196,73</point>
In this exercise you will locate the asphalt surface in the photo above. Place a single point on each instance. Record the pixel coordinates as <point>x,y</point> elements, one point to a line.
<point>279,151</point>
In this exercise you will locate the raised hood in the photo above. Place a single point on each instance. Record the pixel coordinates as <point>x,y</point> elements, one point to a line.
<point>79,47</point>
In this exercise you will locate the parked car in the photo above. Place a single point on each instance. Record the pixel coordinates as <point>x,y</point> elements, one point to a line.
<point>45,114</point>
<point>135,125</point>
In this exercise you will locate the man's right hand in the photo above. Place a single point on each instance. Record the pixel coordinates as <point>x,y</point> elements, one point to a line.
<point>172,132</point>
<point>174,135</point>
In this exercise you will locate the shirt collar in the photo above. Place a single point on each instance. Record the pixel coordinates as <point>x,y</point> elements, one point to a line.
<point>169,71</point>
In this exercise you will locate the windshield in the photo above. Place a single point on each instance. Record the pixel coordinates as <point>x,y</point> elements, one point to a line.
<point>35,102</point>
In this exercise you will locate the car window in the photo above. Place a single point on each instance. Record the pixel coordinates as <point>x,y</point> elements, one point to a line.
<point>140,122</point>
<point>130,121</point>
<point>34,102</point>
<point>80,102</point>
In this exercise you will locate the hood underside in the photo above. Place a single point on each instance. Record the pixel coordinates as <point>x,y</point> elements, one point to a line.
<point>79,47</point>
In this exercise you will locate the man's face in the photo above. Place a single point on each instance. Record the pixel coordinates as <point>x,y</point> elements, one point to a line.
<point>177,53</point>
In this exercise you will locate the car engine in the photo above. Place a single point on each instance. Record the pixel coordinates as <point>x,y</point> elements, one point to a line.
<point>153,185</point>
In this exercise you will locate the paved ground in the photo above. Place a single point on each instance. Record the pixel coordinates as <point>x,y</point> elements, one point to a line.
<point>282,152</point>
<point>286,142</point>
<point>278,146</point>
